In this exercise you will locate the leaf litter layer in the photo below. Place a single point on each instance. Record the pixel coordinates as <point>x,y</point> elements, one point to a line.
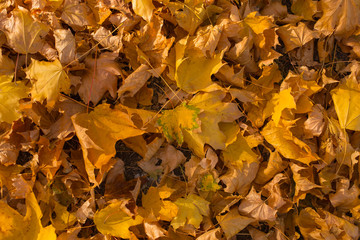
<point>217,119</point>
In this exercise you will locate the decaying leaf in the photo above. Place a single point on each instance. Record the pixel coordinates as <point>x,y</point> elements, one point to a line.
<point>24,34</point>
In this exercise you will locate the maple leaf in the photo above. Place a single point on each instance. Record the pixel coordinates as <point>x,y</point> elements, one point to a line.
<point>143,8</point>
<point>346,100</point>
<point>296,36</point>
<point>213,112</point>
<point>289,146</point>
<point>10,94</point>
<point>155,204</point>
<point>50,79</point>
<point>238,152</point>
<point>187,74</point>
<point>63,218</point>
<point>7,66</point>
<point>279,102</point>
<point>304,8</point>
<point>134,82</point>
<point>98,132</point>
<point>339,17</point>
<point>256,208</point>
<point>65,45</point>
<point>232,222</point>
<point>76,14</point>
<point>239,180</point>
<point>173,122</point>
<point>208,183</point>
<point>191,13</point>
<point>191,211</point>
<point>31,227</point>
<point>115,221</point>
<point>24,34</point>
<point>101,77</point>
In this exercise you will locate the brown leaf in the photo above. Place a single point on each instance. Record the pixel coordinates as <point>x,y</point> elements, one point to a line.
<point>256,208</point>
<point>100,77</point>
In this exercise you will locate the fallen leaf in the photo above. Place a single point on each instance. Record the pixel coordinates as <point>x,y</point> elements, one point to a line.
<point>10,94</point>
<point>232,222</point>
<point>76,14</point>
<point>162,209</point>
<point>279,102</point>
<point>101,76</point>
<point>173,122</point>
<point>238,152</point>
<point>191,13</point>
<point>24,34</point>
<point>134,82</point>
<point>115,221</point>
<point>304,8</point>
<point>256,208</point>
<point>143,8</point>
<point>65,45</point>
<point>296,36</point>
<point>98,132</point>
<point>187,74</point>
<point>191,211</point>
<point>31,227</point>
<point>339,17</point>
<point>286,143</point>
<point>49,80</point>
<point>346,98</point>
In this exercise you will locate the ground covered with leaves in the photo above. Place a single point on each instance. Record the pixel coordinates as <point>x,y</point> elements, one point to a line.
<point>217,119</point>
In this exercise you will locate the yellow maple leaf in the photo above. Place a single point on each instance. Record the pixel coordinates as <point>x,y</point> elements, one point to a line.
<point>98,131</point>
<point>49,80</point>
<point>213,112</point>
<point>279,102</point>
<point>183,117</point>
<point>296,36</point>
<point>304,8</point>
<point>15,226</point>
<point>162,209</point>
<point>288,145</point>
<point>191,211</point>
<point>232,222</point>
<point>192,13</point>
<point>10,94</point>
<point>193,70</point>
<point>340,17</point>
<point>253,206</point>
<point>24,34</point>
<point>238,152</point>
<point>114,220</point>
<point>259,23</point>
<point>143,8</point>
<point>346,100</point>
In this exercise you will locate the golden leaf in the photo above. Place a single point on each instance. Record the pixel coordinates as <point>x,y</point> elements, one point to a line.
<point>50,79</point>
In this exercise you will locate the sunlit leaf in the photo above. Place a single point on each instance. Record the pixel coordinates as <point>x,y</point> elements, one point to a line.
<point>173,122</point>
<point>115,221</point>
<point>10,94</point>
<point>49,80</point>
